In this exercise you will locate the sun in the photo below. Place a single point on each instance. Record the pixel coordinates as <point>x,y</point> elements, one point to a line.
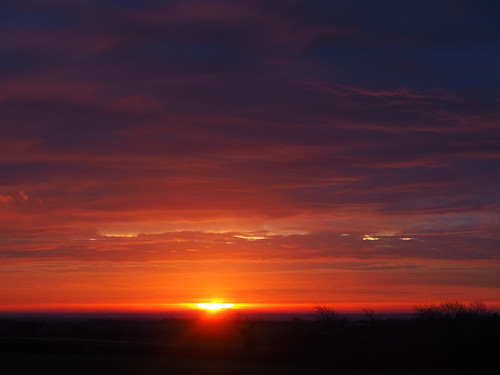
<point>214,306</point>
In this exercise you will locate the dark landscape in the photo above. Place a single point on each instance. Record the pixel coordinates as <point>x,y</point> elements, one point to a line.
<point>446,337</point>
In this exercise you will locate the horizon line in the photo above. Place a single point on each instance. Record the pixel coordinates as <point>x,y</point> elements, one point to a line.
<point>187,308</point>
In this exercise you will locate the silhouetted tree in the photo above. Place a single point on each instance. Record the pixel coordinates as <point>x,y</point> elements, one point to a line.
<point>248,330</point>
<point>453,310</point>
<point>329,318</point>
<point>370,314</point>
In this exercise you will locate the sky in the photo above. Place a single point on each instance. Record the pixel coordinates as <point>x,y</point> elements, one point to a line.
<point>280,154</point>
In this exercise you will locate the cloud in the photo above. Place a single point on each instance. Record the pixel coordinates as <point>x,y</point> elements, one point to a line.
<point>20,198</point>
<point>6,198</point>
<point>323,249</point>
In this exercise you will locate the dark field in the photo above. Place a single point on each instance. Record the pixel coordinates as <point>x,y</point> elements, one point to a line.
<point>432,341</point>
<point>36,363</point>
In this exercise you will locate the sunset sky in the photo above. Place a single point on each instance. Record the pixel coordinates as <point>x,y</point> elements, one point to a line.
<point>281,154</point>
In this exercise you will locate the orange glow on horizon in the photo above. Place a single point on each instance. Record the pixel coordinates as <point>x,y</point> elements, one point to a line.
<point>214,306</point>
<point>344,308</point>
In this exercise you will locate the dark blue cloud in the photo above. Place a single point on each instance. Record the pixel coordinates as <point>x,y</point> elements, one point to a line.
<point>312,104</point>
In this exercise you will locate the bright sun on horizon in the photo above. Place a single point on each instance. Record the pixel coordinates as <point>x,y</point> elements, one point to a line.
<point>214,306</point>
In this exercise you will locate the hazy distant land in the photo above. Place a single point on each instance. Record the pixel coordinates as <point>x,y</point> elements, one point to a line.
<point>446,337</point>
